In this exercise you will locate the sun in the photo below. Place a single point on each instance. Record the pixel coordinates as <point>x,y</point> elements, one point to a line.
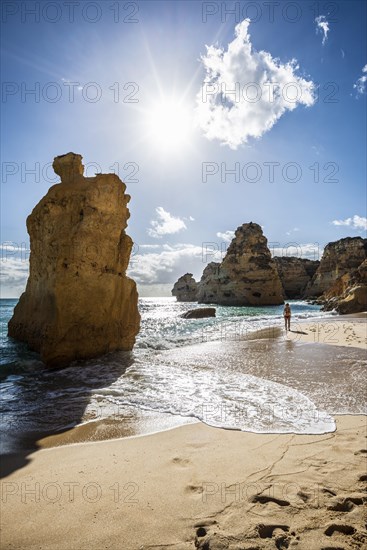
<point>169,125</point>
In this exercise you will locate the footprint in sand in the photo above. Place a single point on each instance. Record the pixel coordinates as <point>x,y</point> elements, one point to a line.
<point>361,452</point>
<point>266,531</point>
<point>204,541</point>
<point>329,491</point>
<point>339,528</point>
<point>201,532</point>
<point>183,462</point>
<point>263,499</point>
<point>194,489</point>
<point>347,504</point>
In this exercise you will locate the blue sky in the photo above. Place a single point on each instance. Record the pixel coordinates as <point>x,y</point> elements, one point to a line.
<point>148,104</point>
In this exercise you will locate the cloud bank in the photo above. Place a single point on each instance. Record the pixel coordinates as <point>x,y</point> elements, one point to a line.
<point>245,92</point>
<point>171,262</point>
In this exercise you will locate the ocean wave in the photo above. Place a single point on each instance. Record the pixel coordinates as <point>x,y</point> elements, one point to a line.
<point>226,400</point>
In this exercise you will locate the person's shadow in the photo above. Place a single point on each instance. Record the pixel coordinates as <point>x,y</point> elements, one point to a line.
<point>40,402</point>
<point>297,331</point>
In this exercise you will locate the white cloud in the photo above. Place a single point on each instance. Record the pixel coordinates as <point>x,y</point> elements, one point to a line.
<point>360,85</point>
<point>227,236</point>
<point>166,224</point>
<point>245,92</point>
<point>322,26</point>
<point>356,222</point>
<point>172,262</point>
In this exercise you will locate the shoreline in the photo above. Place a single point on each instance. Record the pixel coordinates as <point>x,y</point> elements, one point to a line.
<point>195,485</point>
<point>136,422</point>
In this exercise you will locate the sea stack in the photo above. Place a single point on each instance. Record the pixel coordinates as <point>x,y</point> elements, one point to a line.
<point>185,289</point>
<point>78,301</point>
<point>247,276</point>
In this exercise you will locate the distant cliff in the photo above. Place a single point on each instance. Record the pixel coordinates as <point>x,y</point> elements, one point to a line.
<point>78,302</point>
<point>295,274</point>
<point>339,258</point>
<point>349,292</point>
<point>186,289</point>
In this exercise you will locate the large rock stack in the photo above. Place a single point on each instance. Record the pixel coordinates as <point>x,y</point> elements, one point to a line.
<point>185,289</point>
<point>78,302</point>
<point>248,275</point>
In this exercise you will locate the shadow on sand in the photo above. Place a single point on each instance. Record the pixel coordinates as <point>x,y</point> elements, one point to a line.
<point>40,402</point>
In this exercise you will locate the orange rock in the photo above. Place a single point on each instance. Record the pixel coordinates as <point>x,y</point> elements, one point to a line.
<point>78,302</point>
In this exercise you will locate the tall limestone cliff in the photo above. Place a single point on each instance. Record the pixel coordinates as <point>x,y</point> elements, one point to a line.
<point>185,289</point>
<point>295,274</point>
<point>339,258</point>
<point>247,276</point>
<point>349,292</point>
<point>78,302</point>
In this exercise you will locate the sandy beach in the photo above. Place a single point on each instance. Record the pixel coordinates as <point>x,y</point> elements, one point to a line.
<point>338,332</point>
<point>193,486</point>
<point>197,486</point>
<point>183,267</point>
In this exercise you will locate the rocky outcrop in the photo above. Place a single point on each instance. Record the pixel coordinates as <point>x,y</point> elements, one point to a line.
<point>339,258</point>
<point>295,274</point>
<point>185,289</point>
<point>199,313</point>
<point>349,293</point>
<point>209,284</point>
<point>248,275</point>
<point>78,302</point>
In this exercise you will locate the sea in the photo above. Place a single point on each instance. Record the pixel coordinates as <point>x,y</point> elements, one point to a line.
<point>225,371</point>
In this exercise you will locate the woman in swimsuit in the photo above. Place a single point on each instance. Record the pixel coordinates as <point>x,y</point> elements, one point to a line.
<point>287,316</point>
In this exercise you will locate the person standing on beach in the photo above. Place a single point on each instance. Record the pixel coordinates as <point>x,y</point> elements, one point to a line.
<point>287,316</point>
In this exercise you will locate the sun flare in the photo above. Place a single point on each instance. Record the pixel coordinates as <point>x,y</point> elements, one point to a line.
<point>169,126</point>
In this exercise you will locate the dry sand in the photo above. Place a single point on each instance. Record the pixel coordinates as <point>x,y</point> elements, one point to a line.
<point>334,332</point>
<point>193,485</point>
<point>197,486</point>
